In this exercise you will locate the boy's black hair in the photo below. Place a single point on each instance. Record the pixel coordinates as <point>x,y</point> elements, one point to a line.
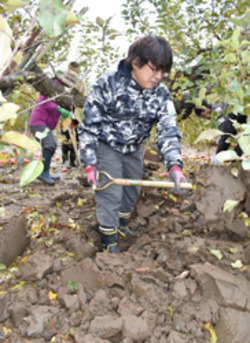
<point>151,48</point>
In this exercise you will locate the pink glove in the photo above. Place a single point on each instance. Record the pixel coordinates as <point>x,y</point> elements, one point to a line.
<point>177,177</point>
<point>91,175</point>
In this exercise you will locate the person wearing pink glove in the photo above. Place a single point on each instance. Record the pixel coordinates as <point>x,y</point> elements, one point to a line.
<point>119,113</point>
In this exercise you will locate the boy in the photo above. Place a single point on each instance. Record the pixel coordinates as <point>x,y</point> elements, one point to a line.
<point>119,113</point>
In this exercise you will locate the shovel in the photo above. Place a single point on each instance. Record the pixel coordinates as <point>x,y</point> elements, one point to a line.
<point>145,183</point>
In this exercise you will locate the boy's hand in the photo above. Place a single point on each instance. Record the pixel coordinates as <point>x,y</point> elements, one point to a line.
<point>90,170</point>
<point>175,175</point>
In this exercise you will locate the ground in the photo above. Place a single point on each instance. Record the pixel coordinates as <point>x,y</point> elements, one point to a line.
<point>184,279</point>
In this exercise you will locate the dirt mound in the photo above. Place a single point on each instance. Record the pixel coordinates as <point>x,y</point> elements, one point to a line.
<point>184,279</point>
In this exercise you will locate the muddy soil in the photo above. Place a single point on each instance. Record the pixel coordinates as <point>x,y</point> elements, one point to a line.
<point>184,279</point>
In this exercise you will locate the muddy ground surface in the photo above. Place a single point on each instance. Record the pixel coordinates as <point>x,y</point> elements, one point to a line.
<point>184,279</point>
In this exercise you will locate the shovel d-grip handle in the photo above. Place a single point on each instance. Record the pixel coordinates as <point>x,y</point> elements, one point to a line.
<point>142,183</point>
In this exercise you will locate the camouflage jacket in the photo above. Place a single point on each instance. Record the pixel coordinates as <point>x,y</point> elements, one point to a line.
<point>119,113</point>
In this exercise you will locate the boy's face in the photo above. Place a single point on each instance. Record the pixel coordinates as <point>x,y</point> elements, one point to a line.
<point>148,76</point>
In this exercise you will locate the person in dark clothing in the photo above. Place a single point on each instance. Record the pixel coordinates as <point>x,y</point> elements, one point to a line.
<point>68,152</point>
<point>228,128</point>
<point>224,124</point>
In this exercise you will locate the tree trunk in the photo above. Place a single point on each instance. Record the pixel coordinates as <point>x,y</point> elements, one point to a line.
<point>70,98</point>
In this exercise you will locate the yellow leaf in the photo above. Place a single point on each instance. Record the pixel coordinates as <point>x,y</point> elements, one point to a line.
<point>53,219</point>
<point>18,57</point>
<point>172,197</point>
<point>71,19</point>
<point>213,337</point>
<point>6,330</point>
<point>216,252</point>
<point>79,202</point>
<point>12,5</point>
<point>171,311</point>
<point>172,75</point>
<point>20,285</point>
<point>23,259</point>
<point>5,41</point>
<point>52,296</point>
<point>21,140</point>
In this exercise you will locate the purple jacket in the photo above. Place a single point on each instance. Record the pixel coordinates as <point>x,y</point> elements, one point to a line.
<point>45,114</point>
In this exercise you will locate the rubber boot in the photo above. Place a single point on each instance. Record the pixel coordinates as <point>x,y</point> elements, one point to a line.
<point>65,161</point>
<point>109,239</point>
<point>123,229</point>
<point>72,159</point>
<point>64,157</point>
<point>45,176</point>
<point>55,177</point>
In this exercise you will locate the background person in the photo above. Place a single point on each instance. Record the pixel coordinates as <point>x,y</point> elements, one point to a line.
<point>47,115</point>
<point>68,151</point>
<point>224,124</point>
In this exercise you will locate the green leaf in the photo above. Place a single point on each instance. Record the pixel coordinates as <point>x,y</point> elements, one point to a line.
<point>232,58</point>
<point>228,155</point>
<point>245,56</point>
<point>244,142</point>
<point>73,286</point>
<point>245,164</point>
<point>99,21</point>
<point>21,140</point>
<point>31,172</point>
<point>208,135</point>
<point>202,93</point>
<point>52,17</point>
<point>20,285</point>
<point>234,86</point>
<point>2,266</point>
<point>235,38</point>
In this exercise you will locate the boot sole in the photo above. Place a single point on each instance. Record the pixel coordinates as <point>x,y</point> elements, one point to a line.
<point>47,183</point>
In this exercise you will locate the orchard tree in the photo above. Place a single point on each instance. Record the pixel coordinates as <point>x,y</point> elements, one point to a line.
<point>35,38</point>
<point>210,40</point>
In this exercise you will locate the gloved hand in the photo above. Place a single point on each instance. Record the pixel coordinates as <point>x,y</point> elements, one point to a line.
<point>175,175</point>
<point>91,175</point>
<point>65,113</point>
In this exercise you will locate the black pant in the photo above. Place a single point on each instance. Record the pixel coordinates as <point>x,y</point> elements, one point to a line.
<point>228,127</point>
<point>68,151</point>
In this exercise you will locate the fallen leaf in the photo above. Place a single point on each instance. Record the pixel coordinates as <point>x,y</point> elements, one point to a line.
<point>27,210</point>
<point>143,270</point>
<point>187,233</point>
<point>171,311</point>
<point>237,264</point>
<point>183,275</point>
<point>52,296</point>
<point>232,250</point>
<point>213,337</point>
<point>216,252</point>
